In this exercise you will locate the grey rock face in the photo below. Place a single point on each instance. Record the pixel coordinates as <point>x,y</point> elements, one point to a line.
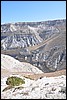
<point>17,40</point>
<point>44,42</point>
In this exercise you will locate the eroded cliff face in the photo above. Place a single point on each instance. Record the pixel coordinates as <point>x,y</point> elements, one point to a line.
<point>18,40</point>
<point>42,44</point>
<point>30,32</point>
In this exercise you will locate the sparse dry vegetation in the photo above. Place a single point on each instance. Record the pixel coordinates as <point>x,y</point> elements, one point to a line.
<point>14,81</point>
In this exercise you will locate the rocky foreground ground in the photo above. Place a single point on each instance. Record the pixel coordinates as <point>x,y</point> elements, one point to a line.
<point>38,85</point>
<point>41,88</point>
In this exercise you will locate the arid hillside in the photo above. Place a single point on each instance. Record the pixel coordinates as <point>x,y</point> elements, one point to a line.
<point>42,44</point>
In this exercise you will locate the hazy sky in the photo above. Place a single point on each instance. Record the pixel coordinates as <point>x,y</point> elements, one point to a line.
<point>26,11</point>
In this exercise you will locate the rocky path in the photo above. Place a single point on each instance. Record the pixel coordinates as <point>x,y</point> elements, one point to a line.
<point>43,43</point>
<point>51,74</point>
<point>44,88</point>
<point>32,75</point>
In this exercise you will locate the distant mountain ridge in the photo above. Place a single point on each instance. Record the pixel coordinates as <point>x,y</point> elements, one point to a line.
<point>18,26</point>
<point>37,31</point>
<point>43,44</point>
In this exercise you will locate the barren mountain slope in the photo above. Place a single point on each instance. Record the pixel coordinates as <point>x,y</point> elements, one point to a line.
<point>9,64</point>
<point>26,34</point>
<point>42,44</point>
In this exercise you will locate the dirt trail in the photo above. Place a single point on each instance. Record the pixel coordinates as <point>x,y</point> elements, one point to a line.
<point>32,75</point>
<point>51,74</point>
<point>43,43</point>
